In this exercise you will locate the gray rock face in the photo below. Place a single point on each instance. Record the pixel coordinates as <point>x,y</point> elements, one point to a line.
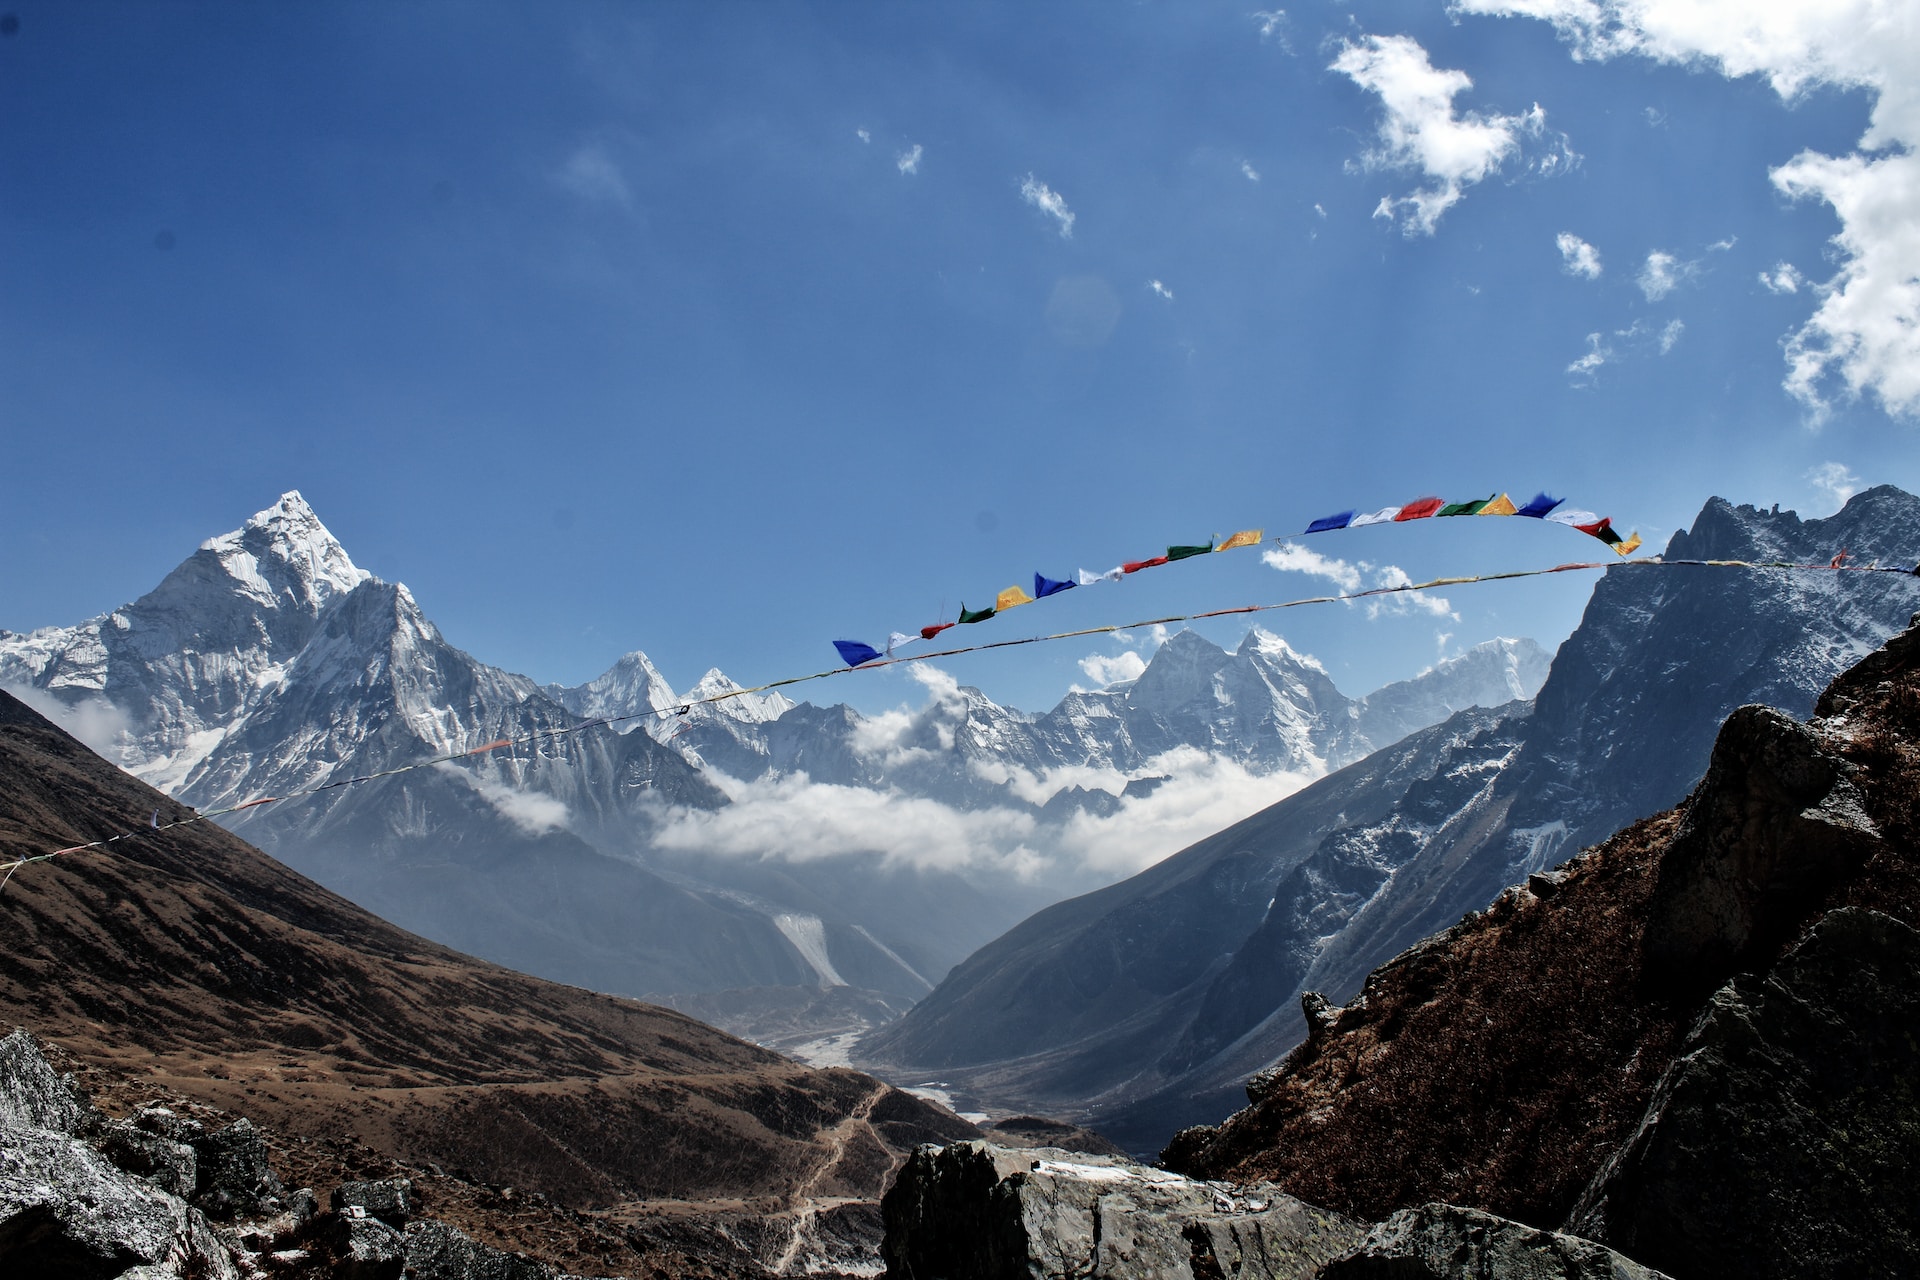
<point>388,1199</point>
<point>365,1248</point>
<point>1785,1139</point>
<point>234,1177</point>
<point>435,1251</point>
<point>1446,1242</point>
<point>171,1166</point>
<point>65,1211</point>
<point>972,1211</point>
<point>32,1095</point>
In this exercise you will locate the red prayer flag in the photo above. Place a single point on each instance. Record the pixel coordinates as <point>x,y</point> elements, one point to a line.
<point>1838,560</point>
<point>1418,510</point>
<point>928,633</point>
<point>1593,530</point>
<point>1135,566</point>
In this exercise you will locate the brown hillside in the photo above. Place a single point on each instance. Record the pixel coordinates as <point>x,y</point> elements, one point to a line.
<point>1498,1064</point>
<point>192,960</point>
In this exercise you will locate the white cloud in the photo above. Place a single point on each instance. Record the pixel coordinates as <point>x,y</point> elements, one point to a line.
<point>592,174</point>
<point>1273,24</point>
<point>863,135</point>
<point>1598,353</point>
<point>531,811</point>
<point>1291,557</point>
<point>93,720</point>
<point>1722,246</point>
<point>1662,273</point>
<point>1050,202</point>
<point>1252,174</point>
<point>1350,576</point>
<point>1577,257</point>
<point>1104,669</point>
<point>1160,289</point>
<point>1863,338</point>
<point>1670,334</point>
<point>908,161</point>
<point>1423,132</point>
<point>902,735</point>
<point>1203,795</point>
<point>1835,481</point>
<point>1785,278</point>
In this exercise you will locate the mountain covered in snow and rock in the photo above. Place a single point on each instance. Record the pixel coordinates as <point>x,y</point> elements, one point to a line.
<point>644,840</point>
<point>1141,1007</point>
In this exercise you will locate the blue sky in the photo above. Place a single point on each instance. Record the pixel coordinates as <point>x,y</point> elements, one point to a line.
<point>724,331</point>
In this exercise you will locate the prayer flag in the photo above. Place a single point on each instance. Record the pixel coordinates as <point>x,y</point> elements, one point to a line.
<point>928,633</point>
<point>1838,560</point>
<point>899,638</point>
<point>1465,508</point>
<point>974,615</point>
<point>1500,506</point>
<point>1244,538</point>
<point>1541,504</point>
<point>1385,515</point>
<point>853,653</point>
<point>1135,566</point>
<point>1010,598</point>
<point>1630,546</point>
<point>1187,553</point>
<point>1112,575</point>
<point>1328,523</point>
<point>1602,529</point>
<point>1044,586</point>
<point>1574,518</point>
<point>1419,510</point>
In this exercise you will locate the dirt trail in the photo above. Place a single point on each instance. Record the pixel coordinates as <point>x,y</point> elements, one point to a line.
<point>804,1207</point>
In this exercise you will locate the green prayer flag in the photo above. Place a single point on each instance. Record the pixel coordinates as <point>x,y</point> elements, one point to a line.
<point>1466,508</point>
<point>1184,553</point>
<point>974,615</point>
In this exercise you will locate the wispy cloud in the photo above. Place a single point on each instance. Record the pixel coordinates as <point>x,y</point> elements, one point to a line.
<point>1834,481</point>
<point>1105,669</point>
<point>592,174</point>
<point>1640,337</point>
<point>1577,257</point>
<point>1598,353</point>
<point>908,161</point>
<point>1723,246</point>
<point>1048,201</point>
<point>1160,289</point>
<point>1252,174</point>
<point>1351,576</point>
<point>1273,26</point>
<point>863,135</point>
<point>1291,557</point>
<point>1862,338</point>
<point>1424,132</point>
<point>1784,278</point>
<point>1662,273</point>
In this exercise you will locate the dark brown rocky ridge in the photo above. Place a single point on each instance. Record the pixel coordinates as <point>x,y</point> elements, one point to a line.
<point>191,962</point>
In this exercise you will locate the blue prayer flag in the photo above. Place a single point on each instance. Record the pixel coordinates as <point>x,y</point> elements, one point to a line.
<point>1324,523</point>
<point>1539,507</point>
<point>1044,587</point>
<point>853,653</point>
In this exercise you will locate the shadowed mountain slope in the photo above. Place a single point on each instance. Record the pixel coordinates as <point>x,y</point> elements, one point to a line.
<point>190,958</point>
<point>1693,1042</point>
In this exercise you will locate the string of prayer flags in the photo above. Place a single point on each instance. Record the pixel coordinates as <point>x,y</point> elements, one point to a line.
<point>1541,506</point>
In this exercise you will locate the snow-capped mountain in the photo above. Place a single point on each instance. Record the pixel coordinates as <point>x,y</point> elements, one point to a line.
<point>683,857</point>
<point>1144,1005</point>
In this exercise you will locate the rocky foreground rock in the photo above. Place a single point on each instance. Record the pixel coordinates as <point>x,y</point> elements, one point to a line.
<point>87,1198</point>
<point>972,1211</point>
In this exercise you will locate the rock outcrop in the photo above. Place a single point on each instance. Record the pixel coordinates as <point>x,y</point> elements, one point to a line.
<point>1446,1242</point>
<point>972,1211</point>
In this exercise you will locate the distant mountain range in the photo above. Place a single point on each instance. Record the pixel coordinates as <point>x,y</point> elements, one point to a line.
<point>678,859</point>
<point>1142,1007</point>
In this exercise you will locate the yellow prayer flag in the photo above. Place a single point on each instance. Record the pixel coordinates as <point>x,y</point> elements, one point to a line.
<point>1009,598</point>
<point>1628,547</point>
<point>1500,506</point>
<point>1244,538</point>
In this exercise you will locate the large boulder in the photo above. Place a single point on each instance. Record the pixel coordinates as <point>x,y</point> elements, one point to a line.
<point>1785,1138</point>
<point>234,1176</point>
<point>1446,1242</point>
<point>171,1166</point>
<point>436,1251</point>
<point>32,1095</point>
<point>972,1211</point>
<point>388,1199</point>
<point>65,1211</point>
